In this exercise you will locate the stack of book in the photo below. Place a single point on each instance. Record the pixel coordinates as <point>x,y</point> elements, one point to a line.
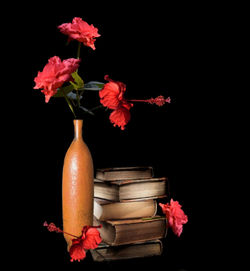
<point>125,203</point>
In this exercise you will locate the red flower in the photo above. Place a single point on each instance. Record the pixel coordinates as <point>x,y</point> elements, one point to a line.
<point>112,96</point>
<point>112,93</point>
<point>89,239</point>
<point>54,74</point>
<point>121,115</point>
<point>175,216</point>
<point>77,251</point>
<point>81,31</point>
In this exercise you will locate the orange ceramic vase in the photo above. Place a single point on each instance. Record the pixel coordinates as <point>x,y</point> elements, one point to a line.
<point>77,186</point>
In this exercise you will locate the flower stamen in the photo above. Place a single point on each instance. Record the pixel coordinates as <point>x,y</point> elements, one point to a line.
<point>160,100</point>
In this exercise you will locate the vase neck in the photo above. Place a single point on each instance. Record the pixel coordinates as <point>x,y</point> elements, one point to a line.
<point>78,129</point>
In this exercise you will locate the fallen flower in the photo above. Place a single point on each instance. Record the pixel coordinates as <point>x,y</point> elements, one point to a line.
<point>89,239</point>
<point>175,216</point>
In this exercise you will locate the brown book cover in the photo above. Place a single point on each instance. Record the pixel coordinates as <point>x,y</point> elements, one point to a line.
<point>105,252</point>
<point>130,189</point>
<point>124,173</point>
<point>106,210</point>
<point>129,231</point>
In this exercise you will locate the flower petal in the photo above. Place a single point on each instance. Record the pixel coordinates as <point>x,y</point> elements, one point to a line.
<point>174,215</point>
<point>81,31</point>
<point>92,237</point>
<point>77,251</point>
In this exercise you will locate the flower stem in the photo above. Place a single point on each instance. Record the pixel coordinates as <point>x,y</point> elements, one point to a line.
<point>137,100</point>
<point>78,50</point>
<point>78,57</point>
<point>69,103</point>
<point>97,107</point>
<point>70,234</point>
<point>52,227</point>
<point>78,98</point>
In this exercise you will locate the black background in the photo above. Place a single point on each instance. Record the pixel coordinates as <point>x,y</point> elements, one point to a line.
<point>155,50</point>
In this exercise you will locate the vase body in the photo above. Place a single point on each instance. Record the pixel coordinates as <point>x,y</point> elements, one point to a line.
<point>77,186</point>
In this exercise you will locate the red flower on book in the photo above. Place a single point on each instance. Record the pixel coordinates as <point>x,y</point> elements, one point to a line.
<point>90,239</point>
<point>81,31</point>
<point>175,216</point>
<point>55,73</point>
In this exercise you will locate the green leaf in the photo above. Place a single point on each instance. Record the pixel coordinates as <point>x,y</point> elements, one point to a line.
<point>94,85</point>
<point>75,86</point>
<point>78,80</point>
<point>86,110</point>
<point>66,90</point>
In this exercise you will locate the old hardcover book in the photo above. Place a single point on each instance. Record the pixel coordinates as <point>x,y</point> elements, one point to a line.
<point>124,173</point>
<point>105,252</point>
<point>106,210</point>
<point>129,231</point>
<point>130,189</point>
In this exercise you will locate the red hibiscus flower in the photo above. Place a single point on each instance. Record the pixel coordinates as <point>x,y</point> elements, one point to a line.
<point>54,75</point>
<point>81,31</point>
<point>112,93</point>
<point>90,239</point>
<point>112,96</point>
<point>175,216</point>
